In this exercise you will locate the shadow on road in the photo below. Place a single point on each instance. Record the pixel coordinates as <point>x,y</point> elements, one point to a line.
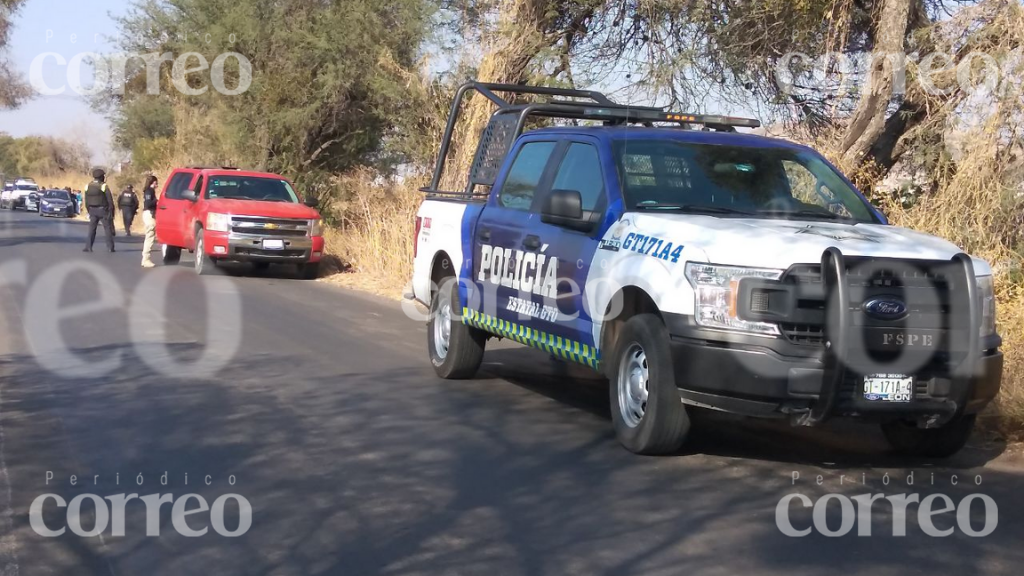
<point>844,443</point>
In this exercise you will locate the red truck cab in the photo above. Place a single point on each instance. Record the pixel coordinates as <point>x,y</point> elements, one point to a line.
<point>226,214</point>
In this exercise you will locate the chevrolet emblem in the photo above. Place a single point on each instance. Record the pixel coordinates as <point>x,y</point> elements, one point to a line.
<point>270,226</point>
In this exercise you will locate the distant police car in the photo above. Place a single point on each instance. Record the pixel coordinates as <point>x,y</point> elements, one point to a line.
<point>701,268</point>
<point>56,203</point>
<point>19,195</point>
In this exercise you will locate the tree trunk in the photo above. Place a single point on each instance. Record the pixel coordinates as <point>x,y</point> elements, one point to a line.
<point>519,37</point>
<point>868,120</point>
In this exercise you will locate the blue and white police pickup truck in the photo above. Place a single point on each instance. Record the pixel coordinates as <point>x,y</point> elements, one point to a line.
<point>697,266</point>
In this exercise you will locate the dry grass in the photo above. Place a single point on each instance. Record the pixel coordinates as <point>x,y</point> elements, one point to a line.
<point>371,246</point>
<point>76,181</point>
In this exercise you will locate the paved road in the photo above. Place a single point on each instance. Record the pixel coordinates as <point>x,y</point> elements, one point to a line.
<point>357,460</point>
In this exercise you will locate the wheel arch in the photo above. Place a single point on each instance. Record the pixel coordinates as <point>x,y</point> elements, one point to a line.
<point>439,270</point>
<point>633,300</point>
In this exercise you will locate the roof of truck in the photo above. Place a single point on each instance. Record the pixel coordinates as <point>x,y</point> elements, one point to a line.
<point>664,133</point>
<point>229,171</point>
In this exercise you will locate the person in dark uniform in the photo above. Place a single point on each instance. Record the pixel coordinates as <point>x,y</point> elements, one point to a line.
<point>99,202</point>
<point>128,203</point>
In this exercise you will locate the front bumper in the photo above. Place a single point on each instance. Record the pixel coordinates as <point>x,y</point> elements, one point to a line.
<point>251,248</point>
<point>958,372</point>
<point>755,376</point>
<point>57,210</point>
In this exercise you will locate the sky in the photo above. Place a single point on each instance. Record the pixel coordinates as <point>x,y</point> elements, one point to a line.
<point>66,27</point>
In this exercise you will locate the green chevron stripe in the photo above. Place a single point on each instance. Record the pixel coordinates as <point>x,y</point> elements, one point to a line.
<point>555,345</point>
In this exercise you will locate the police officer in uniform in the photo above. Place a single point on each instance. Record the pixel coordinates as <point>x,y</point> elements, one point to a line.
<point>99,202</point>
<point>128,203</point>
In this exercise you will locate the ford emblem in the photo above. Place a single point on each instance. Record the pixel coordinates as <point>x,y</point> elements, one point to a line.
<point>885,308</point>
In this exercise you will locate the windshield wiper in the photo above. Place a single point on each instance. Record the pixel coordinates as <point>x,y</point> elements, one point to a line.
<point>805,213</point>
<point>695,208</point>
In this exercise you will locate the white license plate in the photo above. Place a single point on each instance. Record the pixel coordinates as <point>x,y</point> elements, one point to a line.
<point>889,388</point>
<point>273,244</point>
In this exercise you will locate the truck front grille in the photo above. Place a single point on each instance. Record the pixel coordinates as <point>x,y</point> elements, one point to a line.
<point>273,227</point>
<point>925,286</point>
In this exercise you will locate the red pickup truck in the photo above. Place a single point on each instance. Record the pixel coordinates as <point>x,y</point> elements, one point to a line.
<point>226,214</point>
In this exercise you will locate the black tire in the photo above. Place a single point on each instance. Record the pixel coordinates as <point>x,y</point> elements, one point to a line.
<point>906,438</point>
<point>657,423</point>
<point>171,255</point>
<point>465,350</point>
<point>204,264</point>
<point>309,271</point>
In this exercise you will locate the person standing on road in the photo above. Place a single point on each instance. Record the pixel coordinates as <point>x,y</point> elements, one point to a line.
<point>74,198</point>
<point>100,204</point>
<point>149,219</point>
<point>128,203</point>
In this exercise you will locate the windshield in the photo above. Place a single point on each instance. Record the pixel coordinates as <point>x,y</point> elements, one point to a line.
<point>56,195</point>
<point>738,180</point>
<point>250,188</point>
<point>31,187</point>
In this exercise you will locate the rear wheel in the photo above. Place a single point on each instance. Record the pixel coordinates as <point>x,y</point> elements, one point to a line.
<point>310,270</point>
<point>647,411</point>
<point>171,254</point>
<point>456,350</point>
<point>907,438</point>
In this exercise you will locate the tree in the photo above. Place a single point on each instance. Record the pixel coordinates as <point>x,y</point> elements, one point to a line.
<point>327,80</point>
<point>13,90</point>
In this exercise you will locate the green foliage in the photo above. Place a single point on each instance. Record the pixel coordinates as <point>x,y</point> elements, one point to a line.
<point>329,82</point>
<point>12,90</point>
<point>41,156</point>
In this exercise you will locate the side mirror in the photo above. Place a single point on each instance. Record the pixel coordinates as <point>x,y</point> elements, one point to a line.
<point>190,195</point>
<point>564,204</point>
<point>565,208</point>
<point>311,201</point>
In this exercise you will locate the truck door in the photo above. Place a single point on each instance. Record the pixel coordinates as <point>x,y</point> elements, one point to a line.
<point>172,210</point>
<point>577,166</point>
<point>505,250</point>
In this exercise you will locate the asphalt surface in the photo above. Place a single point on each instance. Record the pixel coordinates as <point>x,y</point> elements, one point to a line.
<point>322,408</point>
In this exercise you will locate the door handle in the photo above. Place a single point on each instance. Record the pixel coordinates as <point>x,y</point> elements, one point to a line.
<point>531,242</point>
<point>485,234</point>
<point>162,207</point>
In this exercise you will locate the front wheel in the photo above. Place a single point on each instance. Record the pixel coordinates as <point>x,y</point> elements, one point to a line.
<point>203,263</point>
<point>171,255</point>
<point>647,411</point>
<point>906,438</point>
<point>456,350</point>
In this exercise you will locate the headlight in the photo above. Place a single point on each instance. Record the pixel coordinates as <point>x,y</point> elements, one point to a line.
<point>987,296</point>
<point>716,289</point>
<point>218,222</point>
<point>314,227</point>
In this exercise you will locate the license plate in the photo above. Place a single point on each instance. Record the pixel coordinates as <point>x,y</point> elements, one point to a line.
<point>273,244</point>
<point>889,388</point>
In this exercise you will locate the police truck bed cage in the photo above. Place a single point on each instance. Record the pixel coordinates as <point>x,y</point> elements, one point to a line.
<point>508,121</point>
